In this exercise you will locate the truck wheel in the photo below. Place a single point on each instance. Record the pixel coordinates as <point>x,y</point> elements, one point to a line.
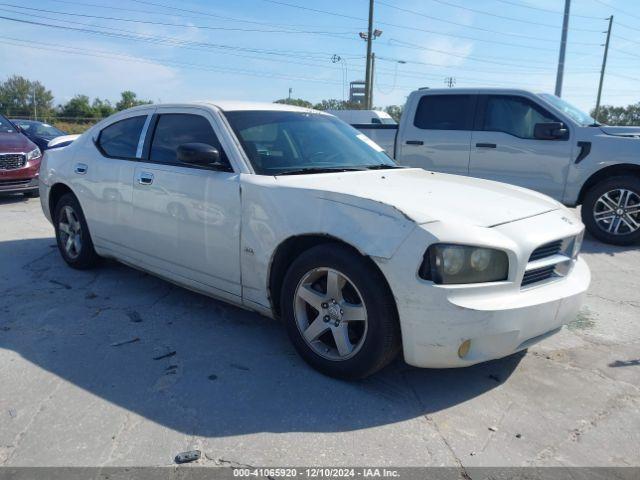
<point>339,312</point>
<point>611,210</point>
<point>72,234</point>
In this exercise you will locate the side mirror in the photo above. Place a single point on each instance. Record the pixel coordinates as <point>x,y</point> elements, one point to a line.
<point>549,131</point>
<point>202,155</point>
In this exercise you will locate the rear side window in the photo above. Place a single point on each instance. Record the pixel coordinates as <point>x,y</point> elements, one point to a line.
<point>174,129</point>
<point>445,112</point>
<point>120,139</point>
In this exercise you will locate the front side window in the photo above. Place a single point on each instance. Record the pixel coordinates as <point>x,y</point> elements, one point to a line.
<point>120,139</point>
<point>516,116</point>
<point>445,112</point>
<point>6,126</point>
<point>175,129</point>
<point>279,143</point>
<point>572,111</point>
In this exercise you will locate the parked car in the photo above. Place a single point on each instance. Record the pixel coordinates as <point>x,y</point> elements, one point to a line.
<point>19,161</point>
<point>364,117</point>
<point>63,141</point>
<point>536,141</point>
<point>294,214</point>
<point>39,133</point>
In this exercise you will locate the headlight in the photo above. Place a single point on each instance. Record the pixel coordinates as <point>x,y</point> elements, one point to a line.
<point>35,153</point>
<point>454,264</point>
<point>577,245</point>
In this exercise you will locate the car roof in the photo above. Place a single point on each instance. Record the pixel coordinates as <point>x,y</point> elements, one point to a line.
<point>231,106</point>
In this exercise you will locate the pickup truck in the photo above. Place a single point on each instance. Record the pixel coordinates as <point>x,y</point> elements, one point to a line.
<point>536,141</point>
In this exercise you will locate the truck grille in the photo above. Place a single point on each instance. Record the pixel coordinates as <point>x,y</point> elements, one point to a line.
<point>11,161</point>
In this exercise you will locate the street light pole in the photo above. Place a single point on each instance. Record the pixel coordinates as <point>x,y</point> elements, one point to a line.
<point>563,48</point>
<point>604,66</point>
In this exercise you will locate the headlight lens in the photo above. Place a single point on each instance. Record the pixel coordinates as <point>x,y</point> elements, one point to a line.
<point>454,264</point>
<point>35,153</point>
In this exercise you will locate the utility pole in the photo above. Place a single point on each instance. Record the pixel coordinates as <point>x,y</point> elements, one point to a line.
<point>450,82</point>
<point>290,90</point>
<point>367,80</point>
<point>373,69</point>
<point>604,66</point>
<point>563,47</point>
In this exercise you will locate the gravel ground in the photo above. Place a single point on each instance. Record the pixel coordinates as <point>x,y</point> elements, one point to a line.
<point>113,367</point>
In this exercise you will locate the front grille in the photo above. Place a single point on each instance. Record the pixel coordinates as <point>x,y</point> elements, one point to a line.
<point>547,250</point>
<point>538,275</point>
<point>11,161</point>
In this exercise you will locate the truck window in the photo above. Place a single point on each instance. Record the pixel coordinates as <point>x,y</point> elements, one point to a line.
<point>445,112</point>
<point>516,116</point>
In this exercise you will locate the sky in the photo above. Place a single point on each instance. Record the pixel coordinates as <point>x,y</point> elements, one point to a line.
<point>174,51</point>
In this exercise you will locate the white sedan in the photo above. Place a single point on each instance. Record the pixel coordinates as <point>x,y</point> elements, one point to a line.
<point>294,214</point>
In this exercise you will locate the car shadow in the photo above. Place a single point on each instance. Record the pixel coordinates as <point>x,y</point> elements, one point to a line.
<point>592,245</point>
<point>194,364</point>
<point>9,198</point>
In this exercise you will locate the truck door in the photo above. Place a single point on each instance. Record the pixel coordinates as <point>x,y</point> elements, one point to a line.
<point>438,137</point>
<point>504,148</point>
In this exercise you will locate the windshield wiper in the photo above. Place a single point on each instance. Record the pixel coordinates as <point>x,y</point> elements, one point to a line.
<point>302,171</point>
<point>381,166</point>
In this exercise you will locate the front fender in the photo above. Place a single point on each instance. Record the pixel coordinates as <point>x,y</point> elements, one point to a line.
<point>271,215</point>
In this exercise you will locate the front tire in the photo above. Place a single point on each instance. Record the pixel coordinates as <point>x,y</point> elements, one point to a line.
<point>339,312</point>
<point>611,210</point>
<point>72,234</point>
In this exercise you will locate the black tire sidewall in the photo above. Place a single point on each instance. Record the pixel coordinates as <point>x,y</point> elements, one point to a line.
<point>382,339</point>
<point>88,256</point>
<point>627,182</point>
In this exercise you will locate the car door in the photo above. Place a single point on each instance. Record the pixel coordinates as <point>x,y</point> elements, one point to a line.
<point>187,218</point>
<point>504,148</point>
<point>104,168</point>
<point>438,138</point>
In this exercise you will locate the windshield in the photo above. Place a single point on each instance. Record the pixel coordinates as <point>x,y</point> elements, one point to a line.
<point>574,112</point>
<point>38,128</point>
<point>6,126</point>
<point>284,142</point>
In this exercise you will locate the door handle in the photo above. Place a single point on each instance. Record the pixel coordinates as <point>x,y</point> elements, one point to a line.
<point>81,168</point>
<point>415,142</point>
<point>145,178</point>
<point>486,145</point>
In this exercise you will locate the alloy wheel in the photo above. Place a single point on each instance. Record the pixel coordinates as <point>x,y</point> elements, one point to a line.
<point>70,232</point>
<point>330,314</point>
<point>617,212</point>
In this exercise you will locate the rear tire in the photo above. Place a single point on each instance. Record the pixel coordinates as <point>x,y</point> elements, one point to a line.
<point>611,210</point>
<point>72,234</point>
<point>346,326</point>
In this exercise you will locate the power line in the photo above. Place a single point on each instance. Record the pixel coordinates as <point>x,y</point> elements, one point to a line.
<point>547,10</point>
<point>505,17</point>
<point>626,12</point>
<point>414,12</point>
<point>165,24</point>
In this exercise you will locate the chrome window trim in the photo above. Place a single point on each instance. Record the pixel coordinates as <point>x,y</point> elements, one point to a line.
<point>143,135</point>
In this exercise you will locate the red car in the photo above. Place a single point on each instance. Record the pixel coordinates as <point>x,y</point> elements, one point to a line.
<point>19,161</point>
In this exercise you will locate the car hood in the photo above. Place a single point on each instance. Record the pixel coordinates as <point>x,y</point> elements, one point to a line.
<point>15,143</point>
<point>622,131</point>
<point>424,196</point>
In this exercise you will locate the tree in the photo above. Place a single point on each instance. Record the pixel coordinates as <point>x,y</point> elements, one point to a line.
<point>18,96</point>
<point>102,108</point>
<point>77,107</point>
<point>395,111</point>
<point>295,101</point>
<point>130,99</point>
<point>610,115</point>
<point>335,104</point>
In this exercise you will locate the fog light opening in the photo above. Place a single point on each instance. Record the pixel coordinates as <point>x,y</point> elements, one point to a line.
<point>464,348</point>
